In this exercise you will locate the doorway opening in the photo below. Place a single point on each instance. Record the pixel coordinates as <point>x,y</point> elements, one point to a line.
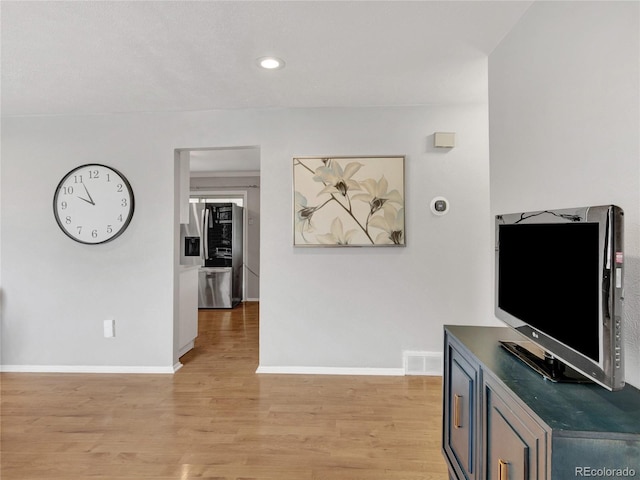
<point>211,176</point>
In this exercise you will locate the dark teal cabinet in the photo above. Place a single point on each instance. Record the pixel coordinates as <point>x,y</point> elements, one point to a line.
<point>461,414</point>
<point>502,421</point>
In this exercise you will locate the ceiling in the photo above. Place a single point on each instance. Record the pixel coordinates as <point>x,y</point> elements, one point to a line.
<point>100,57</point>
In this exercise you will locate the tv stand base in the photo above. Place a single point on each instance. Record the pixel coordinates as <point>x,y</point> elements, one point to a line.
<point>549,367</point>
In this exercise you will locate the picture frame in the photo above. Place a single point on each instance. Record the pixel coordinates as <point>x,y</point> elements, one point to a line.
<point>349,201</point>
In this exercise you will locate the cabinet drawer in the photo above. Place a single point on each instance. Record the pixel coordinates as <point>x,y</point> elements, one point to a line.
<point>460,414</point>
<point>515,444</point>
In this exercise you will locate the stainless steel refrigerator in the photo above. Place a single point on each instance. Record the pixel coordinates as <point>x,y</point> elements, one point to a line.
<point>213,241</point>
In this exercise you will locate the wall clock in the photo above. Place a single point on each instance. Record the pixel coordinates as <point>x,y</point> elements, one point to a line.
<point>93,203</point>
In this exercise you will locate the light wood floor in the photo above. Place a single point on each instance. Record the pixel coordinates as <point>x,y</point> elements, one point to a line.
<point>217,419</point>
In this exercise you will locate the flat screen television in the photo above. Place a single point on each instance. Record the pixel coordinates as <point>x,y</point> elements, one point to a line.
<point>559,282</point>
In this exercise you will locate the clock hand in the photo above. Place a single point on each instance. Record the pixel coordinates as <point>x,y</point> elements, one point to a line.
<point>88,194</point>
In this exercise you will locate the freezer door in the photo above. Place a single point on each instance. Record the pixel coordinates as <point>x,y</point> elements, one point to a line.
<point>191,243</point>
<point>218,235</point>
<point>214,287</point>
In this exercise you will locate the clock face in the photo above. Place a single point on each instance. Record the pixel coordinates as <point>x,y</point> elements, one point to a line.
<point>93,203</point>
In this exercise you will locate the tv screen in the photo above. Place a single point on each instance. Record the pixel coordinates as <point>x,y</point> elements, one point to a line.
<point>559,282</point>
<point>549,279</point>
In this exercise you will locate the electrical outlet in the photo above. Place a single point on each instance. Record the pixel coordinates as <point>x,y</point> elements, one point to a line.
<point>109,328</point>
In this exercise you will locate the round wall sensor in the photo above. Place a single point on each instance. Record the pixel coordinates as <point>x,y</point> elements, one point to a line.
<point>439,205</point>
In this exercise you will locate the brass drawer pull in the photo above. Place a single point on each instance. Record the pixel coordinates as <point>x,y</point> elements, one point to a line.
<point>457,417</point>
<point>503,470</point>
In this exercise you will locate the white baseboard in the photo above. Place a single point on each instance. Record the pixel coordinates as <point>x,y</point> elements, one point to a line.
<point>331,371</point>
<point>186,348</point>
<point>88,369</point>
<point>251,299</point>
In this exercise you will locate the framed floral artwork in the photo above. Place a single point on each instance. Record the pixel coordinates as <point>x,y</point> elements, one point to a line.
<point>348,201</point>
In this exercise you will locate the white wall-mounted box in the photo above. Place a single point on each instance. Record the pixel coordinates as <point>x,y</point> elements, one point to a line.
<point>444,139</point>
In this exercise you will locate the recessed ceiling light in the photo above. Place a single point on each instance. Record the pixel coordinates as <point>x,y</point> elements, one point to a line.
<point>271,63</point>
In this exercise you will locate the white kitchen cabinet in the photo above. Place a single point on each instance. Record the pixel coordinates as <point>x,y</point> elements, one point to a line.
<point>188,322</point>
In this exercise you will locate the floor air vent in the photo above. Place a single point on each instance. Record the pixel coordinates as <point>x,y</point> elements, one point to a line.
<point>422,363</point>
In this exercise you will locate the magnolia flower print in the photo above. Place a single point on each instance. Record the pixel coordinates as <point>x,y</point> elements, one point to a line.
<point>337,236</point>
<point>303,215</point>
<point>392,222</point>
<point>351,206</point>
<point>336,179</point>
<point>377,194</point>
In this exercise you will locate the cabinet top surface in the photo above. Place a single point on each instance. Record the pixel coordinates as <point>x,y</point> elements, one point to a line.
<point>562,406</point>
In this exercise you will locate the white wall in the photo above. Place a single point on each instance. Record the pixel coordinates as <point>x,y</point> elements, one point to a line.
<point>564,123</point>
<point>319,307</point>
<point>360,308</point>
<point>56,292</point>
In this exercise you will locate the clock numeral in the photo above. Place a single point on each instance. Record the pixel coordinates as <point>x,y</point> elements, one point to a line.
<point>95,174</point>
<point>120,217</point>
<point>79,227</point>
<point>67,190</point>
<point>109,228</point>
<point>63,205</point>
<point>94,233</point>
<point>67,220</point>
<point>124,202</point>
<point>119,186</point>
<point>108,177</point>
<point>77,179</point>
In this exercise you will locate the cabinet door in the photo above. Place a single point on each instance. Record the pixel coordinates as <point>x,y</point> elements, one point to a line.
<point>460,407</point>
<point>515,445</point>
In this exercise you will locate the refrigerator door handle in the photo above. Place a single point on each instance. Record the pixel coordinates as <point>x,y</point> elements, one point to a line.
<point>205,233</point>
